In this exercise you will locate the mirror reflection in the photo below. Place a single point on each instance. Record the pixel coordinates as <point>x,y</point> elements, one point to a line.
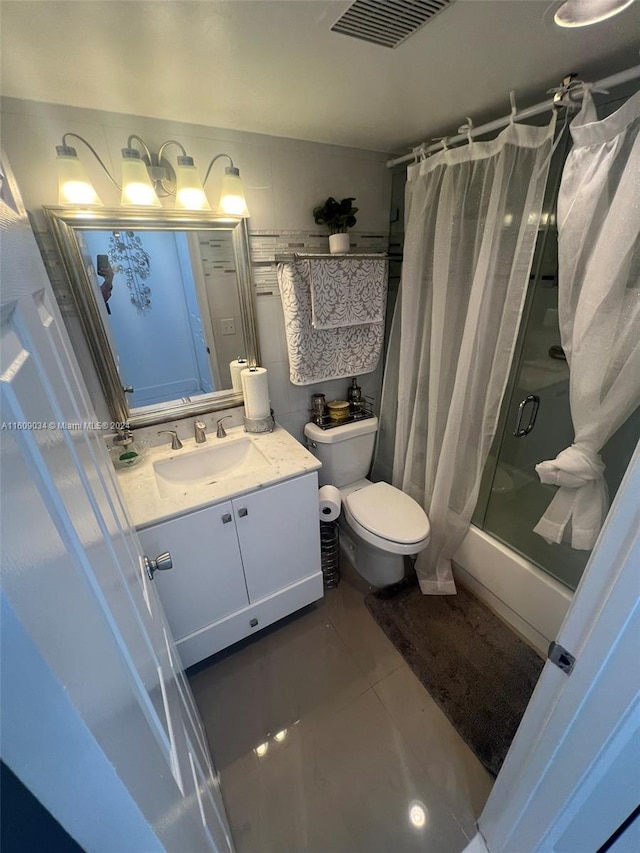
<point>166,304</point>
<point>170,305</point>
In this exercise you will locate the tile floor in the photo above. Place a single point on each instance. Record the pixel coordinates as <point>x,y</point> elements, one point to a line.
<point>325,740</point>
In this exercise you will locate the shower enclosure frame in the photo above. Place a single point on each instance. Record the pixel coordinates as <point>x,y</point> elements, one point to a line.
<point>496,567</point>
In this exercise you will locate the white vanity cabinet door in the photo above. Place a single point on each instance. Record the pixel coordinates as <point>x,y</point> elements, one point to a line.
<point>278,530</point>
<point>206,582</point>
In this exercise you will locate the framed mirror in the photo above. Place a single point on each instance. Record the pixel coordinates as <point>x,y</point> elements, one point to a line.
<point>166,303</point>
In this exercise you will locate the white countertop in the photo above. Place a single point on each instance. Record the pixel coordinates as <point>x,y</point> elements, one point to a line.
<point>146,505</point>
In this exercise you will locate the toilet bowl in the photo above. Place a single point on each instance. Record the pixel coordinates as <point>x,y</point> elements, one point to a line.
<point>382,525</point>
<point>379,524</point>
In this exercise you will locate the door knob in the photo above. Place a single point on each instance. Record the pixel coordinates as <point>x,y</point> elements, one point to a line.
<point>160,564</point>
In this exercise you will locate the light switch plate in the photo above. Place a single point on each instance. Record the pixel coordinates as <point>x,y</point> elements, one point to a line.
<point>228,326</point>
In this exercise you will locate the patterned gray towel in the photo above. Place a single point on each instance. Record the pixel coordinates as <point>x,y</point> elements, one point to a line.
<point>347,292</point>
<point>319,354</point>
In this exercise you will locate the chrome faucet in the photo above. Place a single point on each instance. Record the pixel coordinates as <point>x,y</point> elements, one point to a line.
<point>199,429</point>
<point>176,444</point>
<point>221,433</point>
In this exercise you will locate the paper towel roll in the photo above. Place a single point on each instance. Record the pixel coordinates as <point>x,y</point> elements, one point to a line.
<point>330,502</point>
<point>236,367</point>
<point>255,390</point>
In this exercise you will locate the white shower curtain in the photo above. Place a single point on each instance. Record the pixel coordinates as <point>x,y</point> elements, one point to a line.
<point>472,222</point>
<point>599,311</point>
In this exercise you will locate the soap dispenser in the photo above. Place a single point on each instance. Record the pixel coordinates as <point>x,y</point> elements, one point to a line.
<point>354,395</point>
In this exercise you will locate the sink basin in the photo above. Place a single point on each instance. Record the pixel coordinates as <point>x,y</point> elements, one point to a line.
<point>208,465</point>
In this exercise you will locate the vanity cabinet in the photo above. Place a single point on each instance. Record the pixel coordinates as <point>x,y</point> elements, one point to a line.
<point>238,565</point>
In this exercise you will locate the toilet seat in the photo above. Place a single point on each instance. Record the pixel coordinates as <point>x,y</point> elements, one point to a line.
<point>387,518</point>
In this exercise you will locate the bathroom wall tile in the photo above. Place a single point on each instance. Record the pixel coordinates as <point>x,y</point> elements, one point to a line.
<point>371,187</point>
<point>278,372</point>
<point>271,329</point>
<point>294,423</point>
<point>302,180</point>
<point>437,745</point>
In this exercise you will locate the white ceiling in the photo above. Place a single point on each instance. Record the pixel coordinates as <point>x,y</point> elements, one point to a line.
<point>274,66</point>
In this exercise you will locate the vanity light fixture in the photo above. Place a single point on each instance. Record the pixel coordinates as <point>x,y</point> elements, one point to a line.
<point>146,177</point>
<point>583,13</point>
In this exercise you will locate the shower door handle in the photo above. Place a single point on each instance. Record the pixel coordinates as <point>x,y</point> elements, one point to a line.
<point>519,430</point>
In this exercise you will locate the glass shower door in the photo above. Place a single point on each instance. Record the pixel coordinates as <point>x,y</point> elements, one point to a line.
<point>535,424</point>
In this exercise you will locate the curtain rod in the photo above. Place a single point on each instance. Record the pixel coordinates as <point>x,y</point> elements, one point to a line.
<point>576,91</point>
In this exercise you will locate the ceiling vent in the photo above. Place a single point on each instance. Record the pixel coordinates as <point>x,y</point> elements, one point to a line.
<point>387,22</point>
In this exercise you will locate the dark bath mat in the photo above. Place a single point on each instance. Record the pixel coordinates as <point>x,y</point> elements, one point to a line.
<point>477,670</point>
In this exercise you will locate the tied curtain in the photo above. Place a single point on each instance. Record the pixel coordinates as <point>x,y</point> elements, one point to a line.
<point>472,217</point>
<point>599,311</point>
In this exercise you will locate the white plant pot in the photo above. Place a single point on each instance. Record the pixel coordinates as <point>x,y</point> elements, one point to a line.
<point>339,244</point>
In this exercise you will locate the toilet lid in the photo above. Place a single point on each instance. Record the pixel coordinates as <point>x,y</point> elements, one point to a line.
<point>389,513</point>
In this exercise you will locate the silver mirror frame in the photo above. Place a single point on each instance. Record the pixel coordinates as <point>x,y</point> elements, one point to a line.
<point>64,221</point>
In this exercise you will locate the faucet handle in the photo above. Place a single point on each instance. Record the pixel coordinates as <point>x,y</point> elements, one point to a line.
<point>176,444</point>
<point>199,429</point>
<point>221,432</point>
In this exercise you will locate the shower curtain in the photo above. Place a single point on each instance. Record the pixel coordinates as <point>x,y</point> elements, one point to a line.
<point>472,221</point>
<point>599,311</point>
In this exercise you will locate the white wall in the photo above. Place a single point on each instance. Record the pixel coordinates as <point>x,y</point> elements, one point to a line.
<point>284,179</point>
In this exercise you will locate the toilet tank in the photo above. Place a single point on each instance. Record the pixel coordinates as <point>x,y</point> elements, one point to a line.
<point>345,451</point>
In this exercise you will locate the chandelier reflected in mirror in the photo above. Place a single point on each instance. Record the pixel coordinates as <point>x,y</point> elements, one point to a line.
<point>127,256</point>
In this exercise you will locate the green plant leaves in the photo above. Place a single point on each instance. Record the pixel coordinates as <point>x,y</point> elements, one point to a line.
<point>337,215</point>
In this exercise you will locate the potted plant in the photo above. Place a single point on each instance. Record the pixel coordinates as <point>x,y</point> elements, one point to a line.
<point>339,216</point>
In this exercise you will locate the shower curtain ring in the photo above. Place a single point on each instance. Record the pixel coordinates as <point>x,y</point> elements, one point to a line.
<point>514,108</point>
<point>467,128</point>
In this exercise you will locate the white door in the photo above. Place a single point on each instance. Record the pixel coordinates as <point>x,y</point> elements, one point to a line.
<point>571,777</point>
<point>97,717</point>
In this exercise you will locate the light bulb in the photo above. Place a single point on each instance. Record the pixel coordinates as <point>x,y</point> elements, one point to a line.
<point>232,199</point>
<point>584,13</point>
<point>189,190</point>
<point>74,187</point>
<point>137,188</point>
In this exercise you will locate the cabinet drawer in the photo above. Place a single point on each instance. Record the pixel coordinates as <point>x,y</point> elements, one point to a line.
<point>251,620</point>
<point>206,582</point>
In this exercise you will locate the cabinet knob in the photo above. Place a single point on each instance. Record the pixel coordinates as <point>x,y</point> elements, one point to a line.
<point>243,511</point>
<point>253,623</point>
<point>160,564</point>
<point>226,518</point>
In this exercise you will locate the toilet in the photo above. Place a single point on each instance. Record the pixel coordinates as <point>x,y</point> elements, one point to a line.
<point>379,524</point>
